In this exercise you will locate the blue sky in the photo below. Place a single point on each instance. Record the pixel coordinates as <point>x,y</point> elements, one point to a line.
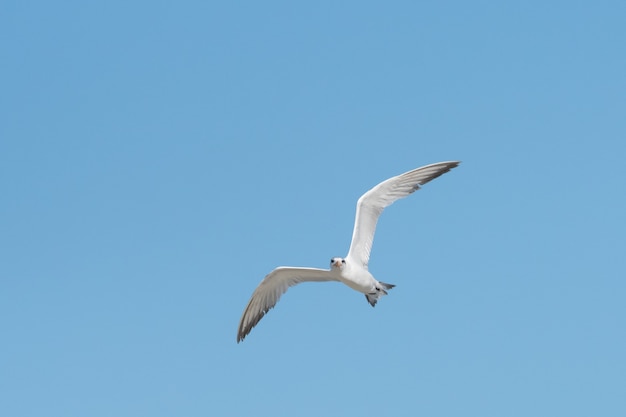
<point>159,158</point>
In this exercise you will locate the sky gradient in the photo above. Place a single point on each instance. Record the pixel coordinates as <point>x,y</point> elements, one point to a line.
<point>158,159</point>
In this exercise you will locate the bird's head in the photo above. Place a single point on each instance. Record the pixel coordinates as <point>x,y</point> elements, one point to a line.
<point>337,263</point>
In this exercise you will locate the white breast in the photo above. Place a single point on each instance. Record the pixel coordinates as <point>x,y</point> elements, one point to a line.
<point>357,278</point>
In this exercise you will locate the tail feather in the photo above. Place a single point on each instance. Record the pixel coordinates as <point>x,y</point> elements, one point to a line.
<point>373,297</point>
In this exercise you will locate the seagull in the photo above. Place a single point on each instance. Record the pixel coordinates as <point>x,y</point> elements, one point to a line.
<point>351,270</point>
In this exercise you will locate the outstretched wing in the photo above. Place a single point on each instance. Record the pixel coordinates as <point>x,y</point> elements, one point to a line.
<point>271,288</point>
<point>372,203</point>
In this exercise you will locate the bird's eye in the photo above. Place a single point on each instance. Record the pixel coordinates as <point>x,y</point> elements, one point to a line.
<point>343,261</point>
<point>331,261</point>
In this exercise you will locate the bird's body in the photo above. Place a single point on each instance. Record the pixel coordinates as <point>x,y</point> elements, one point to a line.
<point>359,279</point>
<point>353,269</point>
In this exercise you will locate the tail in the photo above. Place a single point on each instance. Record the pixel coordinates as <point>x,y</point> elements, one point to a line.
<point>379,291</point>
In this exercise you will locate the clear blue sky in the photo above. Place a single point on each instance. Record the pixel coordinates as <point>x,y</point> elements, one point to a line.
<point>159,158</point>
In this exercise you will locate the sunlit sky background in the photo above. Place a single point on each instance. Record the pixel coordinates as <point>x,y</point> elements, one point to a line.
<point>159,158</point>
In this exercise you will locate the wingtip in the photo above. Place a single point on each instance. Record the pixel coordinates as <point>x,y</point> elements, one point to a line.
<point>242,335</point>
<point>451,164</point>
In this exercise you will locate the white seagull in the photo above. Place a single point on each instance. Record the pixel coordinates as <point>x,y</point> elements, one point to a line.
<point>351,270</point>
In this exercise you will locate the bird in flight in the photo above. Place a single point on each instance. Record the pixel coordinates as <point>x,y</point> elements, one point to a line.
<point>351,270</point>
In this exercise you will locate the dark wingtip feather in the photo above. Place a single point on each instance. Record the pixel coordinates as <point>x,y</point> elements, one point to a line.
<point>445,167</point>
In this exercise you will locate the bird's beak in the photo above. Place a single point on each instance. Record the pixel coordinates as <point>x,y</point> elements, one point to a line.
<point>337,263</point>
